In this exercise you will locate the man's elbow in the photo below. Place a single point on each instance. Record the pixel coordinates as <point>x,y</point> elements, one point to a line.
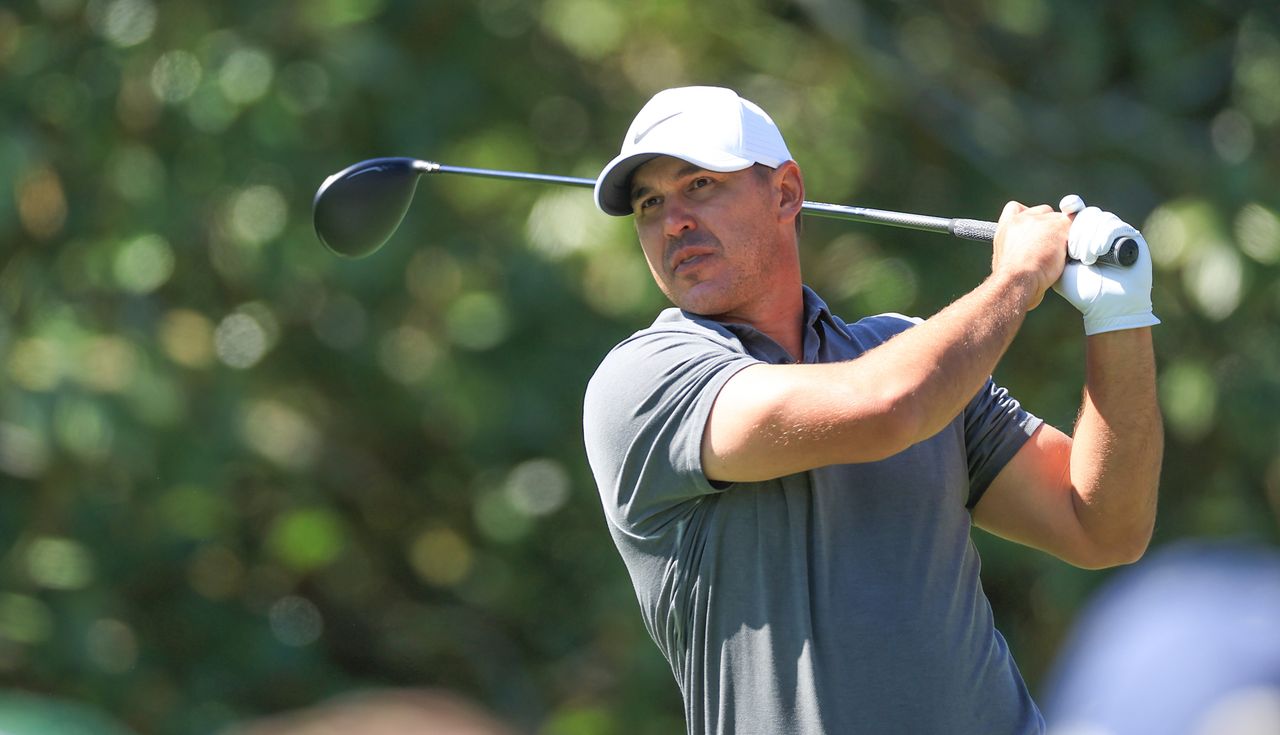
<point>1133,548</point>
<point>1114,552</point>
<point>896,420</point>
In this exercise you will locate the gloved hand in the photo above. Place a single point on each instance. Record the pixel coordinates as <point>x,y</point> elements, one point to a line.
<point>1110,298</point>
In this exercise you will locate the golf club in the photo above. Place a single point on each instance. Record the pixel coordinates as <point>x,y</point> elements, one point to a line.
<point>357,209</point>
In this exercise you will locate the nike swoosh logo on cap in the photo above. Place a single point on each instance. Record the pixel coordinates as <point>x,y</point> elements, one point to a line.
<point>649,129</point>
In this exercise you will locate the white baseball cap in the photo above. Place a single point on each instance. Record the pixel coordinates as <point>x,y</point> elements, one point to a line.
<point>711,127</point>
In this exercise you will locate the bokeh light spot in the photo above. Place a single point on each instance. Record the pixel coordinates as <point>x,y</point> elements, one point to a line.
<point>59,563</point>
<point>295,621</point>
<point>175,76</point>
<point>1024,17</point>
<point>35,365</point>
<point>281,434</point>
<point>257,214</point>
<point>216,572</point>
<point>441,556</point>
<point>108,364</point>
<point>240,341</point>
<point>1188,397</point>
<point>82,427</point>
<point>591,28</point>
<point>209,110</point>
<point>136,172</point>
<point>580,719</point>
<point>245,76</point>
<point>1258,231</point>
<point>24,619</point>
<point>538,487</point>
<point>112,646</point>
<point>157,399</point>
<point>506,18</point>
<point>617,282</point>
<point>124,23</point>
<point>143,263</point>
<point>478,321</point>
<point>565,222</point>
<point>498,519</point>
<point>307,539</point>
<point>1232,136</point>
<point>187,338</point>
<point>1179,231</point>
<point>23,452</point>
<point>42,203</point>
<point>336,13</point>
<point>1257,67</point>
<point>408,354</point>
<point>1166,233</point>
<point>11,32</point>
<point>1214,276</point>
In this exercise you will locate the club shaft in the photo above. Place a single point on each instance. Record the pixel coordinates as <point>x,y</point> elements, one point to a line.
<point>437,168</point>
<point>1123,252</point>
<point>968,229</point>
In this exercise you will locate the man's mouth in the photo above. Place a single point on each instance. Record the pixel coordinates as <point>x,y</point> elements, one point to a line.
<point>689,256</point>
<point>688,261</point>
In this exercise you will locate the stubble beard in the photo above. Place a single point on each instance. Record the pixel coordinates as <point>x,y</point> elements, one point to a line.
<point>733,288</point>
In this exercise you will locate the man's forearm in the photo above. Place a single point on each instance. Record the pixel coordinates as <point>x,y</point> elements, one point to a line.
<point>771,420</point>
<point>944,362</point>
<point>1118,443</point>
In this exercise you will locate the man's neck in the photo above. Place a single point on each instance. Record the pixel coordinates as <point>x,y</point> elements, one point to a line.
<point>780,316</point>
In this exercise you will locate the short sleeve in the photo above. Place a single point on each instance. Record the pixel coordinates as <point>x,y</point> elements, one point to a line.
<point>995,428</point>
<point>644,414</point>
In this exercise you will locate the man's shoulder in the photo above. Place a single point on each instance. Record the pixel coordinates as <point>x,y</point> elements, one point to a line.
<point>675,321</point>
<point>880,327</point>
<point>674,330</point>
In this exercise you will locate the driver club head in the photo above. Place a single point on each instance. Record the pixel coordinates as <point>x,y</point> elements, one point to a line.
<point>358,209</point>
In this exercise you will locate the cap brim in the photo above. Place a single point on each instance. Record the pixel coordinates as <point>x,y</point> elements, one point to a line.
<point>613,186</point>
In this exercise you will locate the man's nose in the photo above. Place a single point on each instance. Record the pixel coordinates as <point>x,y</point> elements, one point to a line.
<point>677,218</point>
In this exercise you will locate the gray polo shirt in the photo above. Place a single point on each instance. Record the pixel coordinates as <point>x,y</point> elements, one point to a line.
<point>841,600</point>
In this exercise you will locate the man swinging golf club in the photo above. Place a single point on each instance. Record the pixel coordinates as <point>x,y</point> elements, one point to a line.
<point>793,494</point>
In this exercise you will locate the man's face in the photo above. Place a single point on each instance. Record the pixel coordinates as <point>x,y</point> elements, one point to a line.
<point>711,239</point>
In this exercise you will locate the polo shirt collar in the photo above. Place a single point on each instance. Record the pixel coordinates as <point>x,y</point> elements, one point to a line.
<point>817,316</point>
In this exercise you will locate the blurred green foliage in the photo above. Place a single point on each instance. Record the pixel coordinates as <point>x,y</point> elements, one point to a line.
<point>239,474</point>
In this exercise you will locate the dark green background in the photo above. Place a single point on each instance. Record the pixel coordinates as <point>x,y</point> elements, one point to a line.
<point>239,475</point>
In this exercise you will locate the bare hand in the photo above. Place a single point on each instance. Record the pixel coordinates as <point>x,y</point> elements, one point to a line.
<point>1031,243</point>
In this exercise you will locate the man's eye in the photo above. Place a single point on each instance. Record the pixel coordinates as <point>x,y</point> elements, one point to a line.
<point>700,182</point>
<point>646,203</point>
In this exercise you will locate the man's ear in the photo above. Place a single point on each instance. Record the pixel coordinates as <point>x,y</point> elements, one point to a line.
<point>790,186</point>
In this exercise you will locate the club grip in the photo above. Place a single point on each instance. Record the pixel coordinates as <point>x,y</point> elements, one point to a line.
<point>974,229</point>
<point>1123,252</point>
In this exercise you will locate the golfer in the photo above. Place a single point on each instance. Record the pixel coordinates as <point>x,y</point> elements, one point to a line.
<point>793,494</point>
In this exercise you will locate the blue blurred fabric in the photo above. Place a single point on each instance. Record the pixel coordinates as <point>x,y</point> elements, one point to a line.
<point>1169,644</point>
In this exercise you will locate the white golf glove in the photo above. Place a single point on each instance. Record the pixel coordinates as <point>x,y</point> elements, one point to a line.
<point>1109,297</point>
